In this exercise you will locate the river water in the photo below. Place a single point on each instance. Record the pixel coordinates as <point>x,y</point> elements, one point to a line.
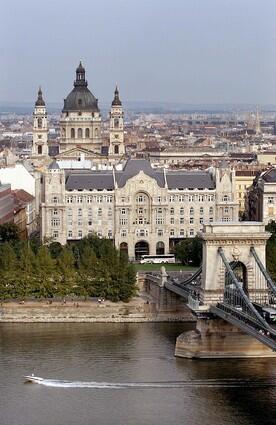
<point>126,374</point>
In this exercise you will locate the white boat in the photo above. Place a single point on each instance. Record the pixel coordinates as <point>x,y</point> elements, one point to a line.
<point>33,379</point>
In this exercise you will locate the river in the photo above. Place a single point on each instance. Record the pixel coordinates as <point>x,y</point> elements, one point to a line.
<point>126,374</point>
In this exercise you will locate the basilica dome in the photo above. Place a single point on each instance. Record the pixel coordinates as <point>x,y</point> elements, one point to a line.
<point>80,98</point>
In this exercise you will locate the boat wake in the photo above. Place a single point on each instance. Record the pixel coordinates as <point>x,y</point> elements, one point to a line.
<point>212,383</point>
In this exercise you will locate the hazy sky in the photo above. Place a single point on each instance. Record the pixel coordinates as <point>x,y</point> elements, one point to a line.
<point>191,51</point>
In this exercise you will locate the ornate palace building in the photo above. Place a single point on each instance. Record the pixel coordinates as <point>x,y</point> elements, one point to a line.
<point>142,209</point>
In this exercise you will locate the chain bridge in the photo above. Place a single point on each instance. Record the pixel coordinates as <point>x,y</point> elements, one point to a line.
<point>231,294</point>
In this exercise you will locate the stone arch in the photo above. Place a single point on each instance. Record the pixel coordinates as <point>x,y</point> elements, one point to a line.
<point>240,271</point>
<point>141,248</point>
<point>124,248</point>
<point>160,248</point>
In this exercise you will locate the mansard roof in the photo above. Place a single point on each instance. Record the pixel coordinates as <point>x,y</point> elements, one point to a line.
<point>190,180</point>
<point>89,180</point>
<point>100,180</point>
<point>270,176</point>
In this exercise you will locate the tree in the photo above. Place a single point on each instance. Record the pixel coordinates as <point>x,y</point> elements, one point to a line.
<point>189,251</point>
<point>271,250</point>
<point>9,232</point>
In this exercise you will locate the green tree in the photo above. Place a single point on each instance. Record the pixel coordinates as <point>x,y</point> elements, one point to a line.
<point>9,232</point>
<point>189,251</point>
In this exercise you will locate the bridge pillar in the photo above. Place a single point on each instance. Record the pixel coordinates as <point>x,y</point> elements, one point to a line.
<point>215,338</point>
<point>236,239</point>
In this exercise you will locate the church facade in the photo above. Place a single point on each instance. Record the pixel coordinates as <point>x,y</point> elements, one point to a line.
<point>80,127</point>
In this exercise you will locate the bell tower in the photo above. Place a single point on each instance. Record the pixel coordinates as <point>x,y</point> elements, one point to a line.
<point>40,127</point>
<point>116,129</point>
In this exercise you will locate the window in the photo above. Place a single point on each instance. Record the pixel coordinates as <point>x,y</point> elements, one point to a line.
<point>191,220</point>
<point>270,200</point>
<point>96,132</point>
<point>109,199</point>
<point>39,122</point>
<point>201,220</point>
<point>72,133</point>
<point>211,219</point>
<point>89,199</point>
<point>123,211</point>
<point>225,219</point>
<point>69,212</point>
<point>109,234</point>
<point>79,222</point>
<point>69,199</point>
<point>39,150</point>
<point>123,221</point>
<point>160,232</point>
<point>182,232</point>
<point>211,210</point>
<point>159,199</point>
<point>192,232</point>
<point>172,232</point>
<point>55,234</point>
<point>55,199</point>
<point>225,198</point>
<point>79,212</point>
<point>192,211</point>
<point>172,198</point>
<point>116,122</point>
<point>55,222</point>
<point>159,211</point>
<point>140,199</point>
<point>70,234</point>
<point>172,211</point>
<point>116,149</point>
<point>79,133</point>
<point>87,133</point>
<point>140,210</point>
<point>109,213</point>
<point>123,233</point>
<point>159,220</point>
<point>79,199</point>
<point>55,212</point>
<point>201,210</point>
<point>99,199</point>
<point>181,220</point>
<point>201,198</point>
<point>80,233</point>
<point>172,220</point>
<point>181,211</point>
<point>100,212</point>
<point>226,210</point>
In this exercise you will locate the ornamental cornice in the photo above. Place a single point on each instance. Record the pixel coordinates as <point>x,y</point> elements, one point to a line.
<point>236,241</point>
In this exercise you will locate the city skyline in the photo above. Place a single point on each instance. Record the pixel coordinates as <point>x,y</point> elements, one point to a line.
<point>182,52</point>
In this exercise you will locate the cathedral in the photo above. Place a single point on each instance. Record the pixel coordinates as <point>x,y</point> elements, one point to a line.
<point>80,127</point>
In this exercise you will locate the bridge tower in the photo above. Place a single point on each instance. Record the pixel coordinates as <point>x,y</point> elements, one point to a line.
<point>229,298</point>
<point>236,241</point>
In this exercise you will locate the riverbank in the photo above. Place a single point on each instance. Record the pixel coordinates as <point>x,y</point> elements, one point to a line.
<point>139,309</point>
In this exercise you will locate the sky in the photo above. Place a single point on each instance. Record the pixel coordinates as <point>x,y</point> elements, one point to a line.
<point>187,51</point>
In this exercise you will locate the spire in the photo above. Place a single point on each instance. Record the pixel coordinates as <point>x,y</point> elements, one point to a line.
<point>80,76</point>
<point>116,101</point>
<point>40,101</point>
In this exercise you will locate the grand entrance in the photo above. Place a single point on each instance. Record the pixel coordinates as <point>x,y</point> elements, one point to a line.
<point>160,248</point>
<point>141,248</point>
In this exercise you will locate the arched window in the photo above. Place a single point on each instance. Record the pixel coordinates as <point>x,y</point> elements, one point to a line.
<point>72,133</point>
<point>96,132</point>
<point>39,122</point>
<point>225,198</point>
<point>201,211</point>
<point>87,133</point>
<point>116,149</point>
<point>160,248</point>
<point>192,211</point>
<point>181,211</point>
<point>116,122</point>
<point>79,133</point>
<point>172,211</point>
<point>39,149</point>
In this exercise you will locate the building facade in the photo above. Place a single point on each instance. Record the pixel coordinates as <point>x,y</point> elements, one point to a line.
<point>261,197</point>
<point>142,209</point>
<point>6,204</point>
